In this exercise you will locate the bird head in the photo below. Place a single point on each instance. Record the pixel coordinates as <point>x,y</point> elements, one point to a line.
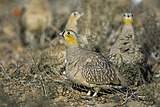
<point>128,18</point>
<point>76,15</point>
<point>70,36</point>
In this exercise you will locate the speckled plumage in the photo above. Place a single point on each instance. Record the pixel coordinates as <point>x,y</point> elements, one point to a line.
<point>125,49</point>
<point>90,68</point>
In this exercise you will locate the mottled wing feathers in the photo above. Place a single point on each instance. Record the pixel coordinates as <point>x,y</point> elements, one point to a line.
<point>97,70</point>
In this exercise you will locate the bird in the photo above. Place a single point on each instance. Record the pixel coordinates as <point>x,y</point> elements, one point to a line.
<point>72,23</point>
<point>56,51</point>
<point>87,67</point>
<point>126,51</point>
<point>35,20</point>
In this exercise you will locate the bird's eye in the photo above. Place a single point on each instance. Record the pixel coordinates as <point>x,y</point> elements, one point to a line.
<point>132,15</point>
<point>68,33</point>
<point>74,13</point>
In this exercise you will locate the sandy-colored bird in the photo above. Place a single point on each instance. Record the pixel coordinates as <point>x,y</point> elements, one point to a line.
<point>125,49</point>
<point>36,18</point>
<point>72,23</point>
<point>87,67</point>
<point>56,53</point>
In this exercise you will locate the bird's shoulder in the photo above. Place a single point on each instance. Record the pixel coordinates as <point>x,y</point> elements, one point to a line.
<point>96,60</point>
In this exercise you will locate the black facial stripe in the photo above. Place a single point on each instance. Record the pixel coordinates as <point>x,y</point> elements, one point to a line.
<point>63,33</point>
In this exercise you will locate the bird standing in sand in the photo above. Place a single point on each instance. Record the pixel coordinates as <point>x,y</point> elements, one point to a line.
<point>35,19</point>
<point>126,51</point>
<point>55,55</point>
<point>87,67</point>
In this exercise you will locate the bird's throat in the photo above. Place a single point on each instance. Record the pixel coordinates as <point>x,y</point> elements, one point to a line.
<point>72,41</point>
<point>128,21</point>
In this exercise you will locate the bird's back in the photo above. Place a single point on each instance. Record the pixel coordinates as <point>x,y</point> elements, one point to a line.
<point>126,47</point>
<point>90,68</point>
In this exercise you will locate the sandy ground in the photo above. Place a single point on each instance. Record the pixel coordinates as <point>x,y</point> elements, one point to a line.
<point>22,83</point>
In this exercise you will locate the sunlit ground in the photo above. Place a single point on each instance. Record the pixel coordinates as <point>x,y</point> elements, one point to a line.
<point>28,78</point>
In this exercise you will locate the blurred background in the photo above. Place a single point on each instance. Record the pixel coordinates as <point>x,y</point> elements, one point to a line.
<point>101,24</point>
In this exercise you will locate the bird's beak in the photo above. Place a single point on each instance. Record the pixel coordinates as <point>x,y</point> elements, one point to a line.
<point>61,33</point>
<point>81,14</point>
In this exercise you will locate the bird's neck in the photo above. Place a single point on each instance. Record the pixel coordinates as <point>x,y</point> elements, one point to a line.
<point>128,22</point>
<point>72,42</point>
<point>72,24</point>
<point>72,52</point>
<point>128,28</point>
<point>128,32</point>
<point>72,21</point>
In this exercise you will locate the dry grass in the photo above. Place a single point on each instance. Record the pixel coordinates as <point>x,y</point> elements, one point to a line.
<point>33,78</point>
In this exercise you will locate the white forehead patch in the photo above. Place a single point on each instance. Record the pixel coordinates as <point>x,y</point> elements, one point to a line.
<point>128,15</point>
